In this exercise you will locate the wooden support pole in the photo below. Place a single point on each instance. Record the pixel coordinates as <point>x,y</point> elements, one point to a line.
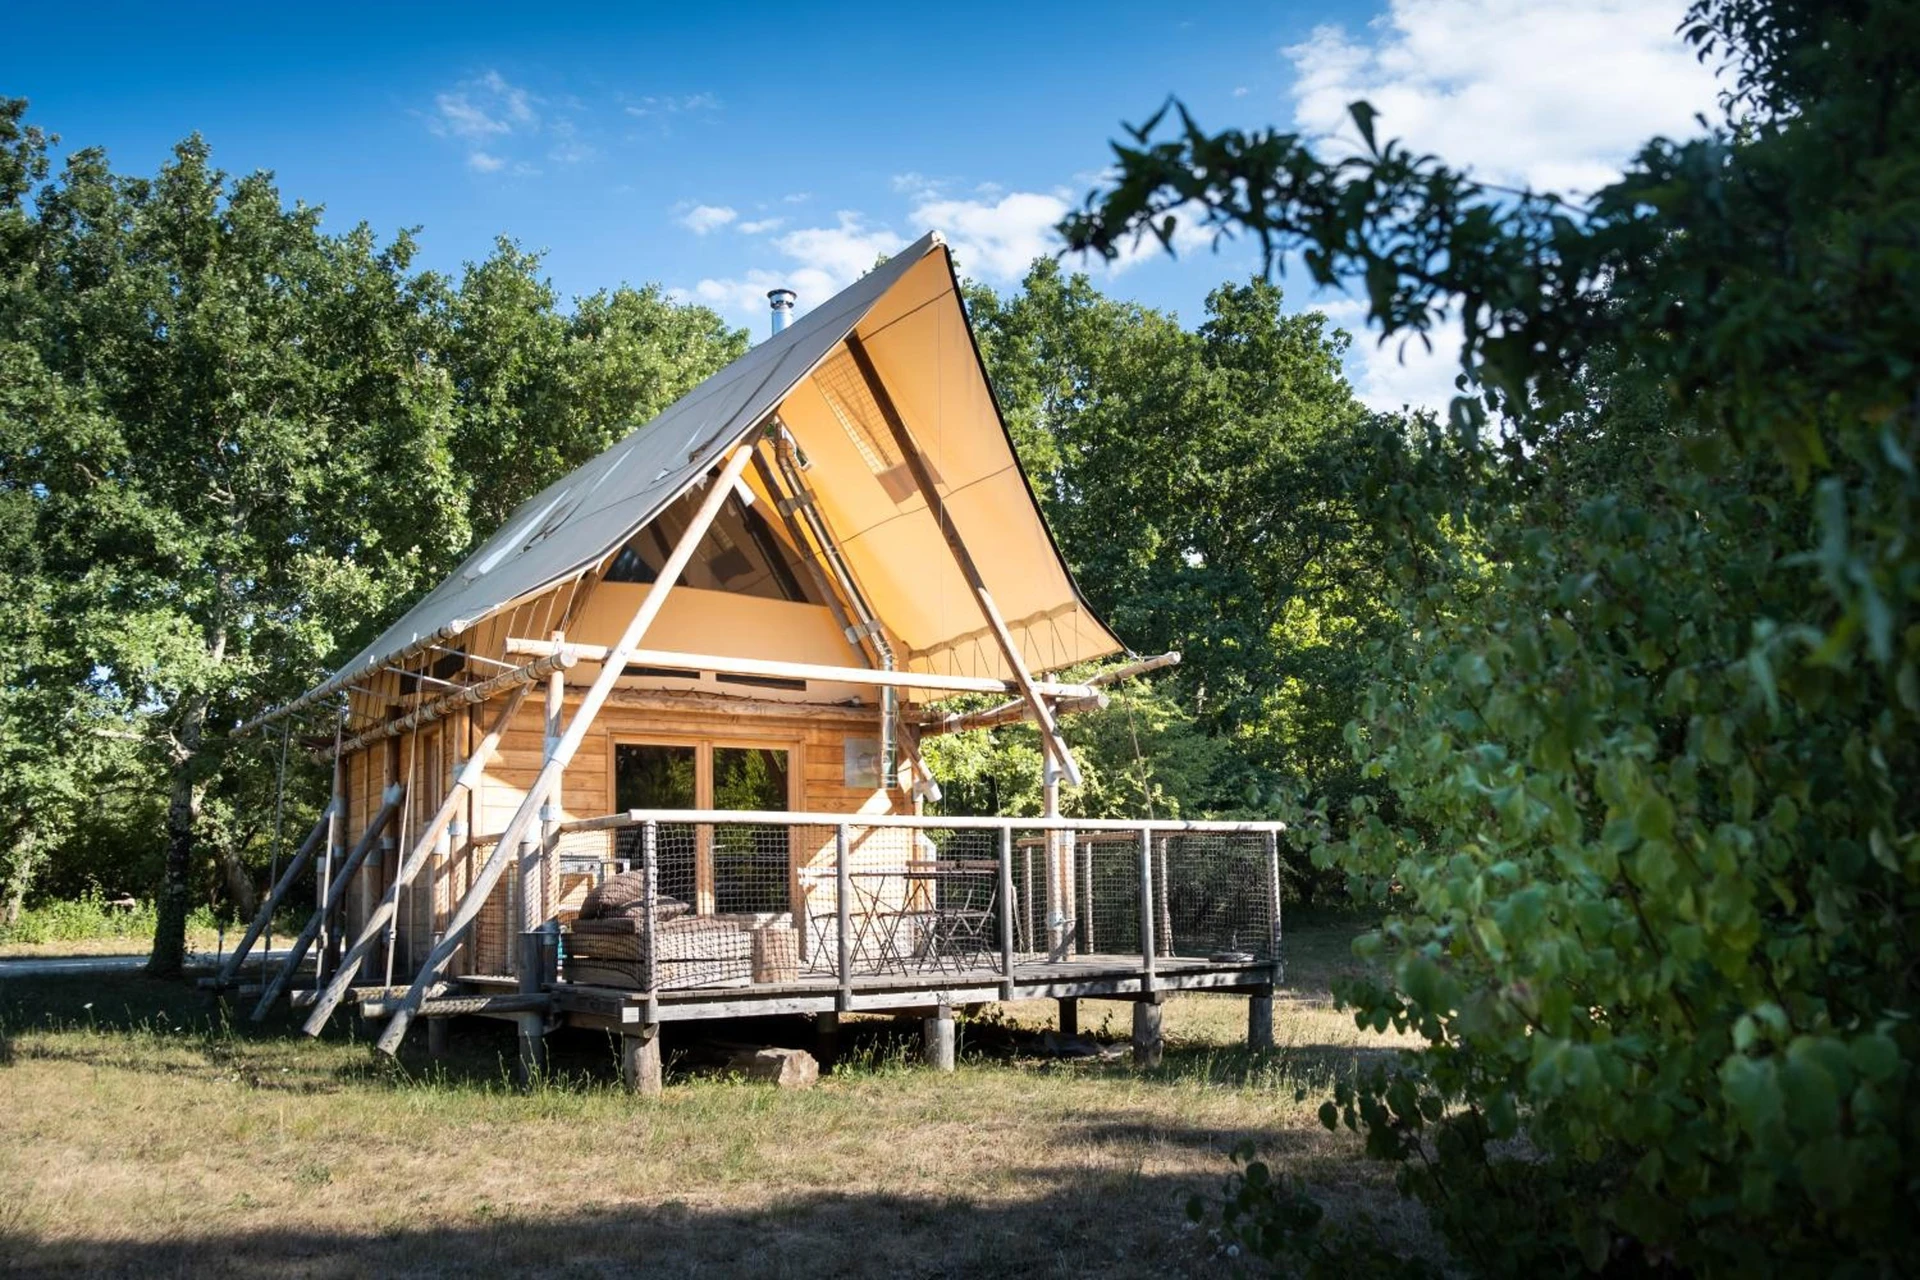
<point>562,752</point>
<point>532,1024</point>
<point>696,663</point>
<point>640,1065</point>
<point>1260,1019</point>
<point>416,858</point>
<point>277,986</point>
<point>937,1034</point>
<point>263,918</point>
<point>1069,1016</point>
<point>1056,746</point>
<point>557,660</point>
<point>1148,1043</point>
<point>933,722</point>
<point>826,1037</point>
<point>437,1038</point>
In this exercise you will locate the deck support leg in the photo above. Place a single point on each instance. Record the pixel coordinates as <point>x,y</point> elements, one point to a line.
<point>437,1038</point>
<point>640,1061</point>
<point>1069,1016</point>
<point>826,1038</point>
<point>1260,1020</point>
<point>1147,1042</point>
<point>533,1047</point>
<point>939,1038</point>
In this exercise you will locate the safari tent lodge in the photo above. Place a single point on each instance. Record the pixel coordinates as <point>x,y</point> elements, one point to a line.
<point>652,752</point>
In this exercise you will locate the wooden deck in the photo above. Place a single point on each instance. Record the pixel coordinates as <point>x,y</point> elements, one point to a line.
<point>1111,976</point>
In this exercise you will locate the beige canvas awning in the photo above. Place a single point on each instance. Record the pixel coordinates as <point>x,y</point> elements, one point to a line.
<point>909,316</point>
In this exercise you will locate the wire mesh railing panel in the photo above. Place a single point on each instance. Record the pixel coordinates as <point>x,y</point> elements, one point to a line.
<point>1213,897</point>
<point>664,905</point>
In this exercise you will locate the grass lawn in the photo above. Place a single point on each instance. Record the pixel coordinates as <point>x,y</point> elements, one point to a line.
<point>142,1132</point>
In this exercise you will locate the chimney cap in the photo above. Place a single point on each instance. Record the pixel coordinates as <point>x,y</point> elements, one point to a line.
<point>782,297</point>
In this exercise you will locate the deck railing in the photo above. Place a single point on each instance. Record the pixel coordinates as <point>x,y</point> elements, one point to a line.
<point>730,899</point>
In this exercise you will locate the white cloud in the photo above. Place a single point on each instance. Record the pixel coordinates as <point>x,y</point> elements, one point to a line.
<point>998,239</point>
<point>1524,92</point>
<point>821,261</point>
<point>493,118</point>
<point>673,105</point>
<point>703,218</point>
<point>760,226</point>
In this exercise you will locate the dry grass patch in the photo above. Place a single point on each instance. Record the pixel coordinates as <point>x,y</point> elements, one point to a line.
<point>145,1135</point>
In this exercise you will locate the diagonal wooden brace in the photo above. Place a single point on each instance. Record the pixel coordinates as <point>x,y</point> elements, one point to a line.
<point>1050,736</point>
<point>416,858</point>
<point>336,890</point>
<point>264,916</point>
<point>561,752</point>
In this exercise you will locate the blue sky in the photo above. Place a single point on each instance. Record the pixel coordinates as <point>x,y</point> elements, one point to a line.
<point>720,149</point>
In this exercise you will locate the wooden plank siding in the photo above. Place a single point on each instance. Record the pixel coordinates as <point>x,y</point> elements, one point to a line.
<point>814,736</point>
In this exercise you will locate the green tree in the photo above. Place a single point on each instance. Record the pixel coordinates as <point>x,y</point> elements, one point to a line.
<point>265,461</point>
<point>1651,722</point>
<point>1225,453</point>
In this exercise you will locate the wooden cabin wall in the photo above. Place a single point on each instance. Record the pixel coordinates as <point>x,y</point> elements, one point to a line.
<point>815,737</point>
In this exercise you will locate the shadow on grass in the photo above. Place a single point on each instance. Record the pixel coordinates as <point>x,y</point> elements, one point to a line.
<point>1066,1231</point>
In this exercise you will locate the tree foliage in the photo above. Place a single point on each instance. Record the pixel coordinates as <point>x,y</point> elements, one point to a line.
<point>1651,719</point>
<point>235,444</point>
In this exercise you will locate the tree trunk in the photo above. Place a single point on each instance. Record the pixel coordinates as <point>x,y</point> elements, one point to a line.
<point>240,888</point>
<point>20,873</point>
<point>183,815</point>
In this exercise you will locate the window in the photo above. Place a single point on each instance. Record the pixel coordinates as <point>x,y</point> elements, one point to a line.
<point>712,869</point>
<point>741,552</point>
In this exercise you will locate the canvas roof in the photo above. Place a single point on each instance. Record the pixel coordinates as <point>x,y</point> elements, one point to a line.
<point>908,313</point>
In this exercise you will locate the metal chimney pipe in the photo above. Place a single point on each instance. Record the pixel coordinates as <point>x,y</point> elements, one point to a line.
<point>781,300</point>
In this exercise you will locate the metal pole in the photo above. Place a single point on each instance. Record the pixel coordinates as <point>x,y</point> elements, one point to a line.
<point>650,898</point>
<point>1146,905</point>
<point>1276,952</point>
<point>1006,913</point>
<point>843,909</point>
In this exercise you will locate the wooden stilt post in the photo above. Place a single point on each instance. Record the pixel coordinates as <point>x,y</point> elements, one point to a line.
<point>562,752</point>
<point>1260,1019</point>
<point>1147,1040</point>
<point>826,1038</point>
<point>343,878</point>
<point>263,918</point>
<point>938,1035</point>
<point>640,1065</point>
<point>416,858</point>
<point>533,1026</point>
<point>1069,1016</point>
<point>437,1038</point>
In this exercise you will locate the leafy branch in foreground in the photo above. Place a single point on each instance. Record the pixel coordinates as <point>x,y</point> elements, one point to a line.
<point>1653,711</point>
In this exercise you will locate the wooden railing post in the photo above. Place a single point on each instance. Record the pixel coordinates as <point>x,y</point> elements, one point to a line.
<point>1006,913</point>
<point>843,910</point>
<point>1146,908</point>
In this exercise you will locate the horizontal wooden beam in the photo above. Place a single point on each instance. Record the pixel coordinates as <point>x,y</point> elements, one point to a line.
<point>441,707</point>
<point>1016,710</point>
<point>930,722</point>
<point>699,662</point>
